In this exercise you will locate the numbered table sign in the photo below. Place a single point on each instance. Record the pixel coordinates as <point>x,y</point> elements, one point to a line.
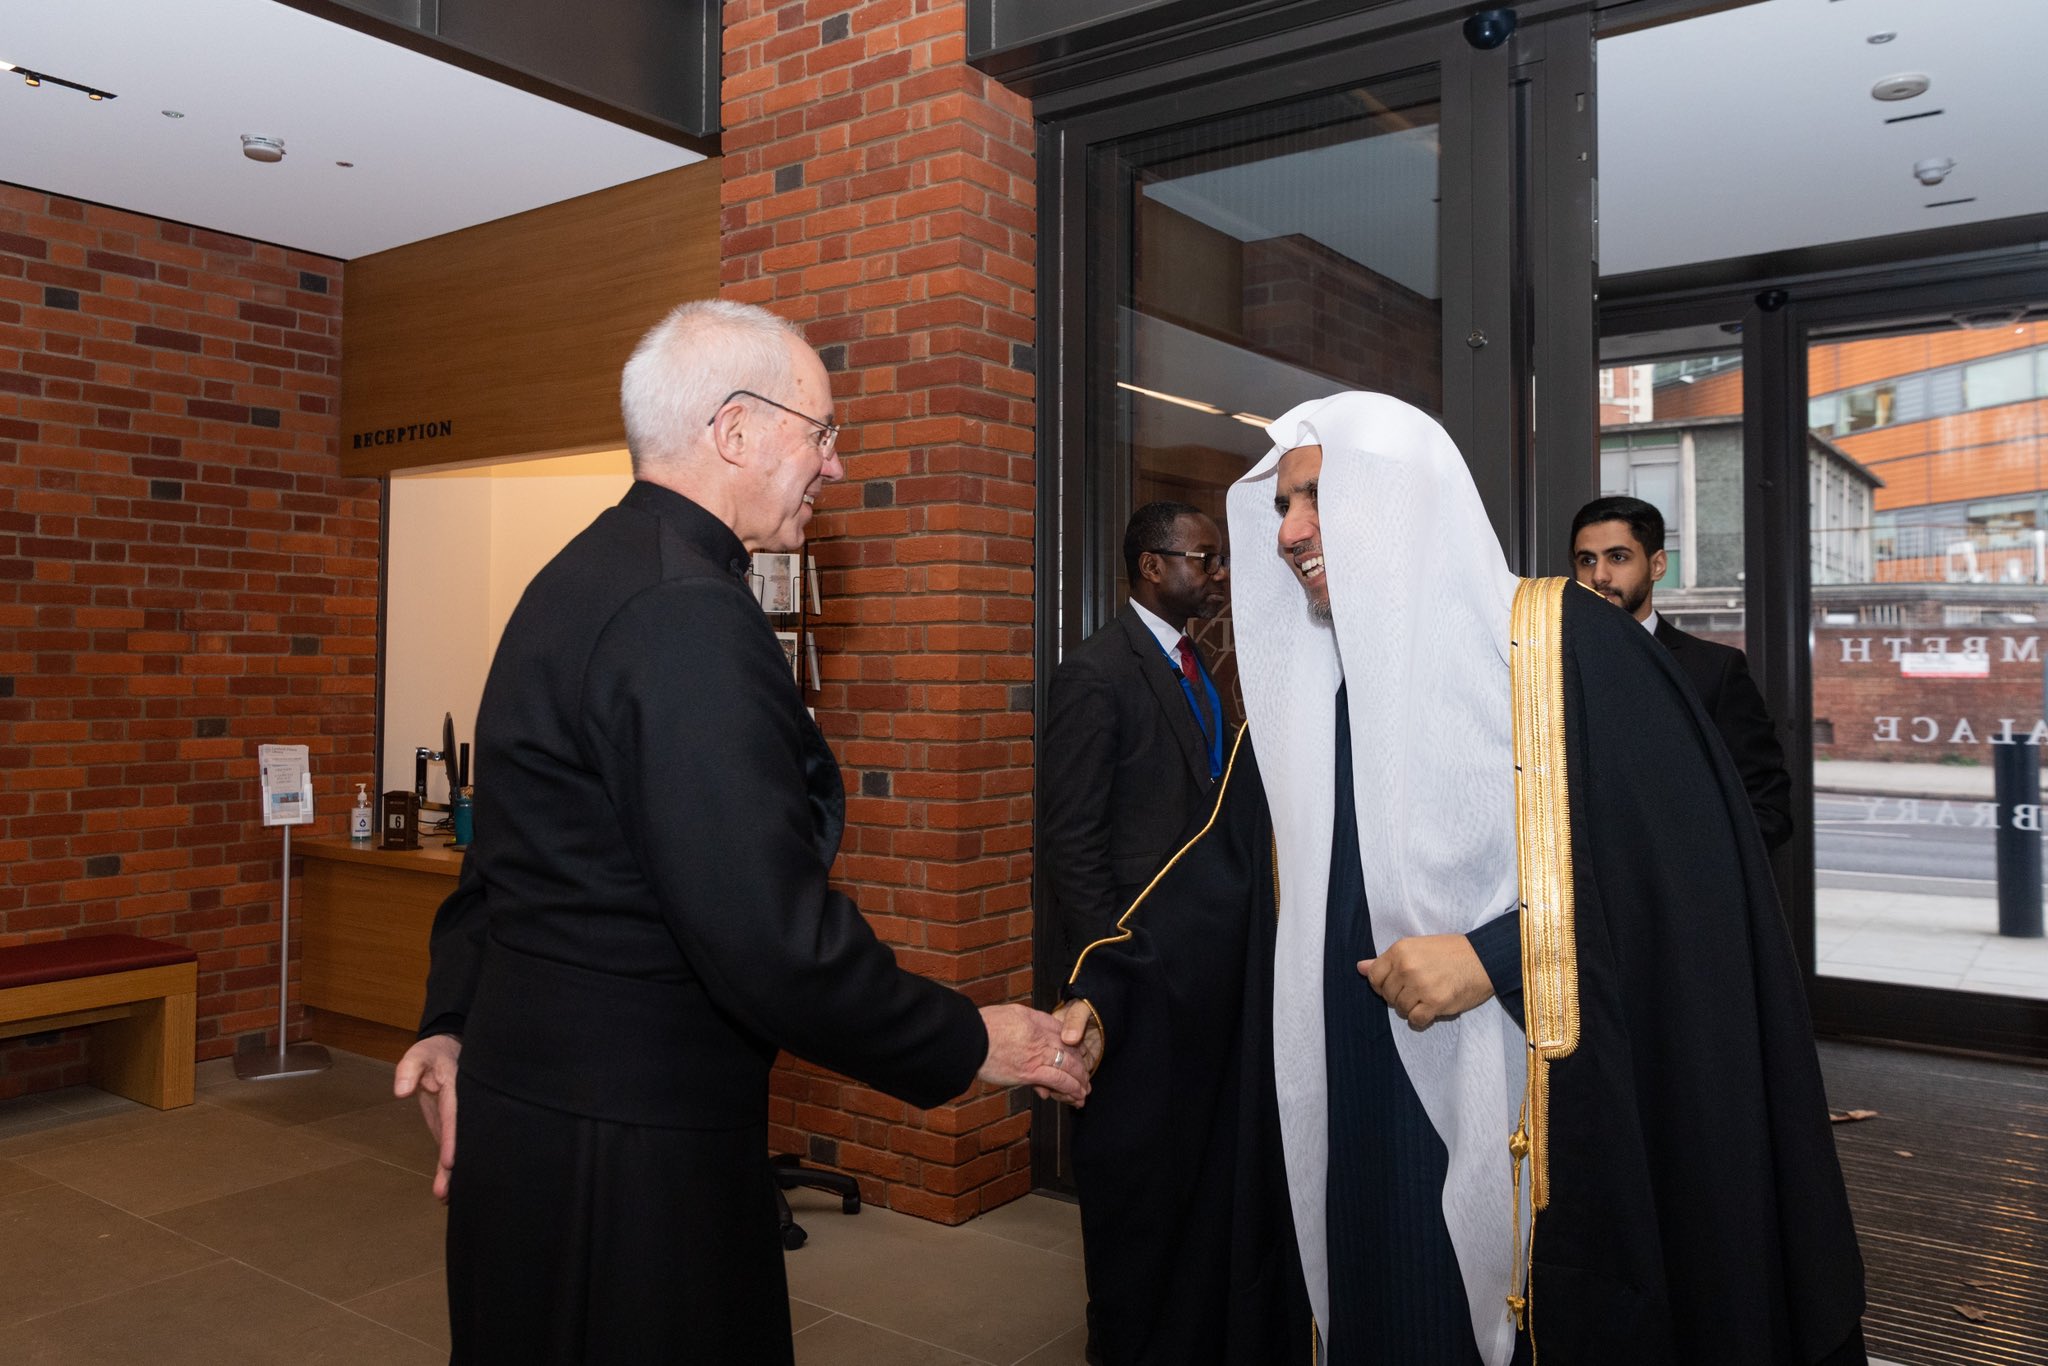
<point>287,784</point>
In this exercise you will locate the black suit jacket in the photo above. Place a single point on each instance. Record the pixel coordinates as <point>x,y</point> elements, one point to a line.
<point>1124,776</point>
<point>645,915</point>
<point>1720,675</point>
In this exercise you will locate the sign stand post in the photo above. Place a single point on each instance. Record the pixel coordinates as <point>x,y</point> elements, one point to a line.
<point>287,801</point>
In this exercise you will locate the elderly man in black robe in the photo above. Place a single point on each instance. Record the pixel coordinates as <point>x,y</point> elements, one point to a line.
<point>1482,948</point>
<point>646,915</point>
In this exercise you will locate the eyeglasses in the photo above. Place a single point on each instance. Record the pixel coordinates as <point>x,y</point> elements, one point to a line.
<point>1212,560</point>
<point>828,432</point>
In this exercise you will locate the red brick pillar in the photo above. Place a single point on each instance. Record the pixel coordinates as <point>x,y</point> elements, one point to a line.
<point>880,192</point>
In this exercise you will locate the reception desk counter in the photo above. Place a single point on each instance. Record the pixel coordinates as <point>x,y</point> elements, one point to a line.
<point>367,915</point>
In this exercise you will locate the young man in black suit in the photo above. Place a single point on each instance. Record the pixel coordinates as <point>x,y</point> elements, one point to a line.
<point>1134,737</point>
<point>1618,551</point>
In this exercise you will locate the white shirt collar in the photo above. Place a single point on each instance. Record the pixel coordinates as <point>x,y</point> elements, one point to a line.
<point>1168,636</point>
<point>1650,622</point>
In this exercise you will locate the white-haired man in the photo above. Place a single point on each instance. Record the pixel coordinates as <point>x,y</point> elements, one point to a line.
<point>1536,1047</point>
<point>644,918</point>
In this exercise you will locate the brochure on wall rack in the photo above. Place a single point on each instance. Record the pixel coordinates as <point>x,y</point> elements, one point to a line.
<point>777,581</point>
<point>788,641</point>
<point>287,773</point>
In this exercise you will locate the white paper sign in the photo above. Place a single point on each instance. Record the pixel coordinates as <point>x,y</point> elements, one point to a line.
<point>287,784</point>
<point>1943,664</point>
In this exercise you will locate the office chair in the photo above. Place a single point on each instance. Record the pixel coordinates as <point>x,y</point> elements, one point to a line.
<point>790,1172</point>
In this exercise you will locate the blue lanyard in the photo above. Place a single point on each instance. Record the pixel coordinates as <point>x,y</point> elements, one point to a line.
<point>1214,736</point>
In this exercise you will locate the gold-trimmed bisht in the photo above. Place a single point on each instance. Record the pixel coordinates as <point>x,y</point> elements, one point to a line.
<point>1550,957</point>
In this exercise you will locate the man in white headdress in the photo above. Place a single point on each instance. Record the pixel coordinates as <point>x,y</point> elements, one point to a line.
<point>1540,1061</point>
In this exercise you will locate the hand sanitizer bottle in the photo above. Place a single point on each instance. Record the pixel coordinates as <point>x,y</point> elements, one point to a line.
<point>359,820</point>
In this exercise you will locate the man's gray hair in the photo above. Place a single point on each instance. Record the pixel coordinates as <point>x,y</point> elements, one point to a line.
<point>686,365</point>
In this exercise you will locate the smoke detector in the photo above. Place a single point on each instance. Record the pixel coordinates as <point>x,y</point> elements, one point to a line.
<point>1903,86</point>
<point>257,147</point>
<point>1933,170</point>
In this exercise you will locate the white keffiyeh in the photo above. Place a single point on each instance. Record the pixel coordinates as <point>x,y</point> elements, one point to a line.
<point>1420,595</point>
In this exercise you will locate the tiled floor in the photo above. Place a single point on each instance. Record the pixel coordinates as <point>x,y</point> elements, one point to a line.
<point>289,1222</point>
<point>1923,940</point>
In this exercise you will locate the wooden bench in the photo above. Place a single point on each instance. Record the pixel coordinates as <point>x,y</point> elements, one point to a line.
<point>138,995</point>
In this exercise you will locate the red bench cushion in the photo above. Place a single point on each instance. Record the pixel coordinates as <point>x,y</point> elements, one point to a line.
<point>86,956</point>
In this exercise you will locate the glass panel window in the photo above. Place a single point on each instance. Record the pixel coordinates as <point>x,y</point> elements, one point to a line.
<point>1930,606</point>
<point>1870,406</point>
<point>1672,436</point>
<point>1277,254</point>
<point>1613,470</point>
<point>1988,383</point>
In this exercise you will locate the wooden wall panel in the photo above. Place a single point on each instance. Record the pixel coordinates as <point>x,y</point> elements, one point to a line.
<point>506,339</point>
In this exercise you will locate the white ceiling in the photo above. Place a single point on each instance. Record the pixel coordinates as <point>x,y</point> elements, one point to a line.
<point>434,147</point>
<point>1753,130</point>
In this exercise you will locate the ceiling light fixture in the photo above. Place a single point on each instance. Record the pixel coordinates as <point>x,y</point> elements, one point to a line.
<point>173,113</point>
<point>1933,170</point>
<point>1253,420</point>
<point>344,164</point>
<point>1904,86</point>
<point>258,147</point>
<point>34,79</point>
<point>1884,37</point>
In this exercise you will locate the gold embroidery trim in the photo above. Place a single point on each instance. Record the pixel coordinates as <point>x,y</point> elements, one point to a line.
<point>1550,962</point>
<point>1123,921</point>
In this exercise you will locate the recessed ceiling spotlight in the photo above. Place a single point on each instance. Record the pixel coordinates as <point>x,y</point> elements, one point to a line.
<point>257,147</point>
<point>1884,37</point>
<point>30,79</point>
<point>1903,86</point>
<point>173,113</point>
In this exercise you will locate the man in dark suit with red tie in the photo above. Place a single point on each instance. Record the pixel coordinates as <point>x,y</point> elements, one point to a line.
<point>1618,552</point>
<point>1134,737</point>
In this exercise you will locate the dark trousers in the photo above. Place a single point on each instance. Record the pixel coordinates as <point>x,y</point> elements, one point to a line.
<point>574,1240</point>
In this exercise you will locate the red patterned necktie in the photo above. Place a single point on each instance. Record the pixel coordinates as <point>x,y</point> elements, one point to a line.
<point>1192,671</point>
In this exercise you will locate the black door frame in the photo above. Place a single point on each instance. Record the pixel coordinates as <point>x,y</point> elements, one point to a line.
<point>1517,251</point>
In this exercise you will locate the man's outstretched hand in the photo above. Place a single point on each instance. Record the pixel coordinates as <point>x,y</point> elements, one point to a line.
<point>1025,1049</point>
<point>1429,977</point>
<point>428,1070</point>
<point>1081,1030</point>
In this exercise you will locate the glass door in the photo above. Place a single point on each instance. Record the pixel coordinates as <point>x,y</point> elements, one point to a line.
<point>1926,471</point>
<point>1276,255</point>
<point>1328,209</point>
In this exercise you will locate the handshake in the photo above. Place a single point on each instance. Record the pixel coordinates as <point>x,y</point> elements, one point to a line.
<point>1052,1054</point>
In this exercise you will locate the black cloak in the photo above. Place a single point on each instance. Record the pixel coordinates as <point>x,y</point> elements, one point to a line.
<point>1697,1213</point>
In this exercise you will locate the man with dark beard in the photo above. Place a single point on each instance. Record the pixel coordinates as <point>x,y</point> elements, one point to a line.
<point>1618,552</point>
<point>1485,929</point>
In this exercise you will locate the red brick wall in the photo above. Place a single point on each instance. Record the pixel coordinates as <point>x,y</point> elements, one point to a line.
<point>1327,313</point>
<point>183,575</point>
<point>880,192</point>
